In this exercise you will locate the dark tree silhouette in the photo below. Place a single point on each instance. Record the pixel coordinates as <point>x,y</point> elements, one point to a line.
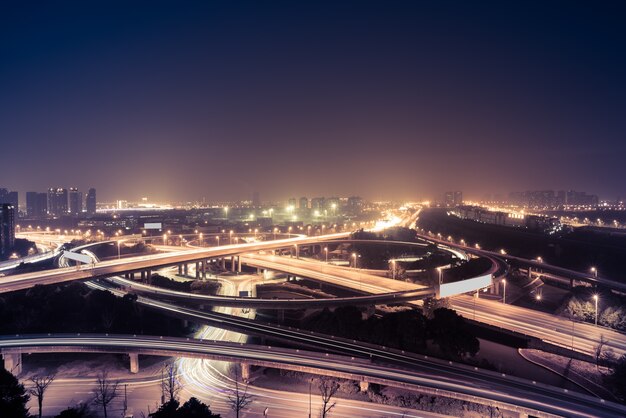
<point>105,392</point>
<point>13,397</point>
<point>328,388</point>
<point>38,389</point>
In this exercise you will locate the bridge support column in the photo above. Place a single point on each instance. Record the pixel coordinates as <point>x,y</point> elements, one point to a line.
<point>197,270</point>
<point>149,276</point>
<point>232,263</point>
<point>134,362</point>
<point>239,264</point>
<point>223,263</point>
<point>13,363</point>
<point>245,372</point>
<point>132,276</point>
<point>143,275</point>
<point>185,269</point>
<point>258,270</point>
<point>180,269</point>
<point>364,386</point>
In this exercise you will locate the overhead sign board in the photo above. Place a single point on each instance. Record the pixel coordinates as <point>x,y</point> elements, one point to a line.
<point>153,225</point>
<point>82,258</point>
<point>464,286</point>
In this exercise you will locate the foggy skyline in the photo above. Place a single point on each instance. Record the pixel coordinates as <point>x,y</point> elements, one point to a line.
<point>403,100</point>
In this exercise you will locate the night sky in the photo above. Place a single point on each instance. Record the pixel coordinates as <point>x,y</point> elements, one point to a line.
<point>185,100</point>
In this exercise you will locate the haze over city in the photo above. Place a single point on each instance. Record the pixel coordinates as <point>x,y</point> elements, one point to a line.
<point>402,100</point>
<point>329,209</point>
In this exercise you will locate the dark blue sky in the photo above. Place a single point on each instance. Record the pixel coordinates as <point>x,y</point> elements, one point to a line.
<point>186,100</point>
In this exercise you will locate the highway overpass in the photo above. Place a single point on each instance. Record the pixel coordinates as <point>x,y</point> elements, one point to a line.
<point>504,392</point>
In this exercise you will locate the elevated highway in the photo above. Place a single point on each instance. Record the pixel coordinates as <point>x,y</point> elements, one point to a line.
<point>463,383</point>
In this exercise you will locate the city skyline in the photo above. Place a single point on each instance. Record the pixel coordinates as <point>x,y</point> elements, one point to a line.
<point>217,101</point>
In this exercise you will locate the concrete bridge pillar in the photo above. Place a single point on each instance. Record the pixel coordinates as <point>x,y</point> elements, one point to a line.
<point>134,362</point>
<point>13,363</point>
<point>185,269</point>
<point>232,263</point>
<point>132,276</point>
<point>180,269</point>
<point>223,263</point>
<point>245,372</point>
<point>143,275</point>
<point>149,276</point>
<point>197,270</point>
<point>239,264</point>
<point>364,386</point>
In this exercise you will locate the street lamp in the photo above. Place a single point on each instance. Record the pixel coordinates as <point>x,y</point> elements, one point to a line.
<point>538,297</point>
<point>594,271</point>
<point>504,287</point>
<point>539,259</point>
<point>595,298</point>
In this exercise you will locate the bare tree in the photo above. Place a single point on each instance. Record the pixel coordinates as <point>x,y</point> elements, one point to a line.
<point>104,392</point>
<point>239,399</point>
<point>328,388</point>
<point>169,383</point>
<point>40,384</point>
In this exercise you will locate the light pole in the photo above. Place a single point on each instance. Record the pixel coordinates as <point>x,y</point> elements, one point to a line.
<point>230,237</point>
<point>595,298</point>
<point>354,257</point>
<point>504,287</point>
<point>310,382</point>
<point>164,239</point>
<point>217,237</point>
<point>118,249</point>
<point>393,269</point>
<point>594,271</point>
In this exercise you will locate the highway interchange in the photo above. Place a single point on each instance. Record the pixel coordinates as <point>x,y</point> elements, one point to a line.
<point>481,310</point>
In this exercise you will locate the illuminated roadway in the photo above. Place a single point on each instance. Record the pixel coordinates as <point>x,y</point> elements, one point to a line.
<point>515,394</point>
<point>153,262</point>
<point>550,328</point>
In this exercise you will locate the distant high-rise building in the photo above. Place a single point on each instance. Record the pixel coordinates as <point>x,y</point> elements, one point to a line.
<point>256,200</point>
<point>57,201</point>
<point>7,228</point>
<point>75,201</point>
<point>292,203</point>
<point>332,205</point>
<point>303,203</point>
<point>42,205</point>
<point>318,203</point>
<point>31,204</point>
<point>453,198</point>
<point>9,197</point>
<point>355,205</point>
<point>90,201</point>
<point>458,198</point>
